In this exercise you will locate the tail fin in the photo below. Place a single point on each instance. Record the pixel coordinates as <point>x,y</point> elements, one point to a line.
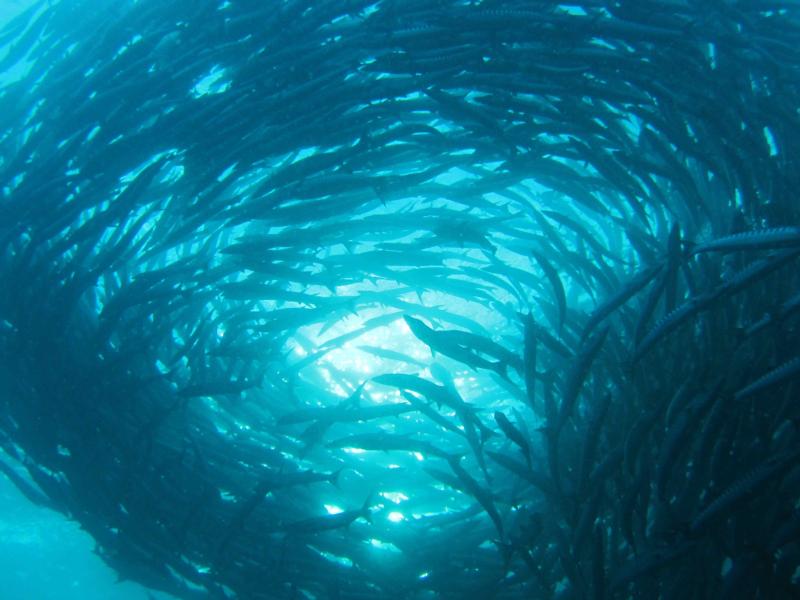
<point>365,512</point>
<point>501,368</point>
<point>334,478</point>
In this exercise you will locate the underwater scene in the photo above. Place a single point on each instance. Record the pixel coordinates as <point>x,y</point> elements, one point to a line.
<point>399,299</point>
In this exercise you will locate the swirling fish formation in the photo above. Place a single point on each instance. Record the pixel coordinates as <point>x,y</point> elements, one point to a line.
<point>585,215</point>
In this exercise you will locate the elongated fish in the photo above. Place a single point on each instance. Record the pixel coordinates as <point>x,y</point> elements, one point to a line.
<point>576,375</point>
<point>744,488</point>
<point>322,523</point>
<point>555,282</point>
<point>787,371</point>
<point>765,239</point>
<point>514,434</point>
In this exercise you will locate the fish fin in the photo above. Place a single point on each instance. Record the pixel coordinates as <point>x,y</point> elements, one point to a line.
<point>527,456</point>
<point>485,432</point>
<point>501,368</point>
<point>365,512</point>
<point>453,459</point>
<point>334,478</point>
<point>506,551</point>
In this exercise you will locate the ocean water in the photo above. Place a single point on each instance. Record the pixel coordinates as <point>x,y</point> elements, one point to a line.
<point>398,299</point>
<point>47,557</point>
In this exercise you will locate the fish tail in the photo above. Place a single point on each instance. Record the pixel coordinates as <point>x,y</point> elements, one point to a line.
<point>501,368</point>
<point>334,478</point>
<point>365,512</point>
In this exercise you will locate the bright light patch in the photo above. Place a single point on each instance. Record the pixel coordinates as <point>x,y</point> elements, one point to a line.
<point>173,175</point>
<point>712,56</point>
<point>354,450</point>
<point>299,350</point>
<point>396,517</point>
<point>572,9</point>
<point>93,133</point>
<point>341,560</point>
<point>418,456</point>
<point>396,497</point>
<point>372,8</point>
<point>337,388</point>
<point>726,566</point>
<point>366,345</point>
<point>384,545</point>
<point>773,147</point>
<point>333,509</point>
<point>227,172</point>
<point>212,83</point>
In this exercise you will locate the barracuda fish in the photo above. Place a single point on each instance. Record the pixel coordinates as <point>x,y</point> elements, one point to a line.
<point>314,525</point>
<point>743,489</point>
<point>674,261</point>
<point>575,378</point>
<point>591,439</point>
<point>463,346</point>
<point>767,239</point>
<point>558,287</point>
<point>634,286</point>
<point>529,354</point>
<point>524,472</point>
<point>787,371</point>
<point>27,488</point>
<point>387,442</point>
<point>753,273</point>
<point>392,355</point>
<point>672,321</point>
<point>348,410</point>
<point>219,388</point>
<point>647,563</point>
<point>598,563</point>
<point>676,437</point>
<point>514,434</point>
<point>267,484</point>
<point>433,414</point>
<point>444,396</point>
<point>480,494</point>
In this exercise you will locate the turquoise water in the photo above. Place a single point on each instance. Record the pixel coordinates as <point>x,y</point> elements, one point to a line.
<point>47,557</point>
<point>398,299</point>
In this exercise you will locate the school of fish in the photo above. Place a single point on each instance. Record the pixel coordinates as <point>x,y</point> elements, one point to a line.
<point>347,299</point>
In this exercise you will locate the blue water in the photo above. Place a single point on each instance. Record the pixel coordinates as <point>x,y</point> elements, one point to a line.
<point>45,556</point>
<point>172,506</point>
